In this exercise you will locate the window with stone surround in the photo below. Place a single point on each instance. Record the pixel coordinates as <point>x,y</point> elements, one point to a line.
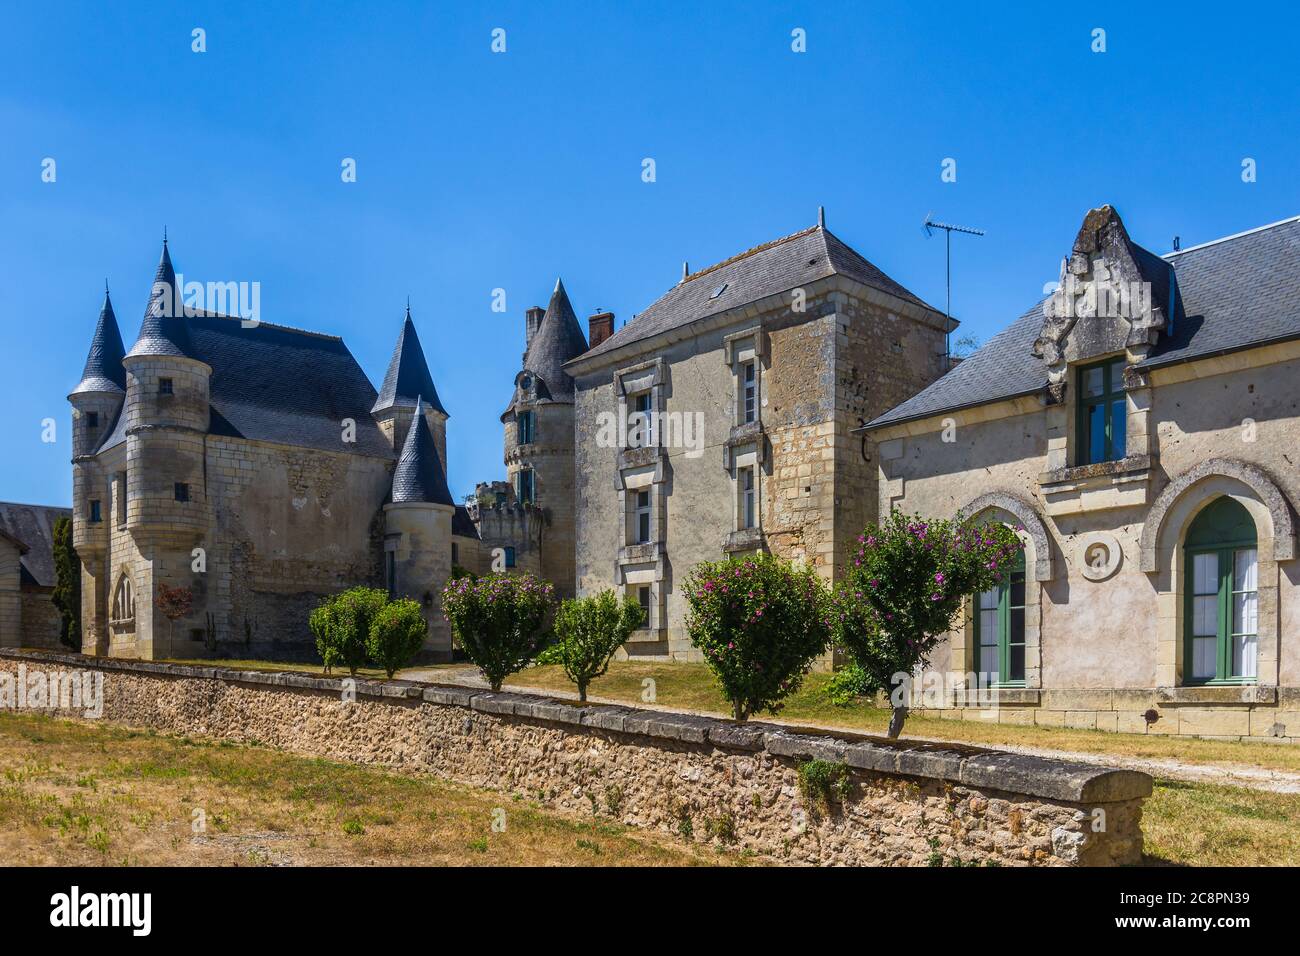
<point>749,393</point>
<point>639,420</point>
<point>123,601</point>
<point>95,513</point>
<point>748,504</point>
<point>165,386</point>
<point>999,630</point>
<point>92,419</point>
<point>642,517</point>
<point>181,491</point>
<point>525,423</point>
<point>524,486</point>
<point>1221,615</point>
<point>1102,412</point>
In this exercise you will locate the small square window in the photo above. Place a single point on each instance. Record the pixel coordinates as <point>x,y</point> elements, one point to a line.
<point>165,386</point>
<point>92,419</point>
<point>95,514</point>
<point>182,491</point>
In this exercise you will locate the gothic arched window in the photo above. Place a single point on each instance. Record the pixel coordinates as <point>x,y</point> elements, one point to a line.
<point>124,600</point>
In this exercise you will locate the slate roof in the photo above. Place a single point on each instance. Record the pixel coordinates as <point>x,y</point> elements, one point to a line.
<point>774,267</point>
<point>462,524</point>
<point>558,339</point>
<point>419,476</point>
<point>1234,293</point>
<point>276,384</point>
<point>33,526</point>
<point>163,331</point>
<point>408,375</point>
<point>269,382</point>
<point>103,371</point>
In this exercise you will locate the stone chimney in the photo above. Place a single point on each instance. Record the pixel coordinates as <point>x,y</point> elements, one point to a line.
<point>599,327</point>
<point>532,322</point>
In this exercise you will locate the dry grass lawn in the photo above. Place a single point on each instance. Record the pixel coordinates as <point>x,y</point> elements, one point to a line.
<point>80,793</point>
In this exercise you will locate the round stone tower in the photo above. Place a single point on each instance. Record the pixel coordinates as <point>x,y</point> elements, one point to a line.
<point>96,402</point>
<point>167,419</point>
<point>539,436</point>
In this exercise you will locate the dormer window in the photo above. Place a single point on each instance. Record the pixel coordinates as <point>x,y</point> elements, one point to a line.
<point>1103,412</point>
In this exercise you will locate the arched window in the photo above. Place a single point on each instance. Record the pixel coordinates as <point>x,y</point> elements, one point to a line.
<point>124,600</point>
<point>1222,584</point>
<point>1000,629</point>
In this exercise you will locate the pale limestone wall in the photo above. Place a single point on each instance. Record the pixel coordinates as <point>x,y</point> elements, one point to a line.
<point>1106,646</point>
<point>41,619</point>
<point>550,456</point>
<point>419,535</point>
<point>701,778</point>
<point>11,608</point>
<point>821,373</point>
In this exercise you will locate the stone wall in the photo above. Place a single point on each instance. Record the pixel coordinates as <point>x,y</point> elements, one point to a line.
<point>701,778</point>
<point>41,619</point>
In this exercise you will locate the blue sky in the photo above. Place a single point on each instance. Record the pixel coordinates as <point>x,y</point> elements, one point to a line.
<point>478,170</point>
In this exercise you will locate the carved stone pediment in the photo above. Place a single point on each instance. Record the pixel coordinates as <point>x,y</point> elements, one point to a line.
<point>1112,295</point>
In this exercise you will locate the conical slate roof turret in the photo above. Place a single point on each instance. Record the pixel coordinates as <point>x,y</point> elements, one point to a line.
<point>558,339</point>
<point>163,330</point>
<point>408,378</point>
<point>104,371</point>
<point>420,476</point>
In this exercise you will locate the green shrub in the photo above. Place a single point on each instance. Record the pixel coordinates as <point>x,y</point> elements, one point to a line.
<point>588,631</point>
<point>760,623</point>
<point>822,784</point>
<point>850,683</point>
<point>396,633</point>
<point>354,610</point>
<point>67,585</point>
<point>498,621</point>
<point>907,582</point>
<point>324,627</point>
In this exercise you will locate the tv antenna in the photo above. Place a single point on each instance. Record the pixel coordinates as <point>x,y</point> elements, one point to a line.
<point>948,229</point>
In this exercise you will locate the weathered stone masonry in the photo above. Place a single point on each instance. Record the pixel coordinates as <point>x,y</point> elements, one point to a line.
<point>739,782</point>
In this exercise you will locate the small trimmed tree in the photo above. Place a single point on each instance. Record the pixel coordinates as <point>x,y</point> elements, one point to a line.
<point>354,610</point>
<point>498,620</point>
<point>588,631</point>
<point>396,633</point>
<point>67,585</point>
<point>324,627</point>
<point>174,603</point>
<point>760,623</point>
<point>905,586</point>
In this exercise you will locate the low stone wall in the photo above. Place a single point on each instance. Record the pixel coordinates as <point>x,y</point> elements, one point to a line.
<point>702,778</point>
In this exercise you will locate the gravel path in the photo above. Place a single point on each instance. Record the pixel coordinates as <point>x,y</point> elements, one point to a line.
<point>1236,775</point>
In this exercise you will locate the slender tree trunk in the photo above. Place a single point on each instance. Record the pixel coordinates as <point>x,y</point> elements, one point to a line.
<point>896,721</point>
<point>737,712</point>
<point>582,693</point>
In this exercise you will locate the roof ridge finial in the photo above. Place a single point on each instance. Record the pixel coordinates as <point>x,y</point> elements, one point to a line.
<point>164,234</point>
<point>105,285</point>
<point>408,306</point>
<point>821,217</point>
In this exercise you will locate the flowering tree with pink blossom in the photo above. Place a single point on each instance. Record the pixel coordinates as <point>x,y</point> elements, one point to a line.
<point>760,623</point>
<point>499,620</point>
<point>906,584</point>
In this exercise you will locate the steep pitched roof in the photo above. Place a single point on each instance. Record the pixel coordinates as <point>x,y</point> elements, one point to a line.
<point>1233,293</point>
<point>103,371</point>
<point>774,267</point>
<point>558,339</point>
<point>419,476</point>
<point>163,331</point>
<point>408,375</point>
<point>33,526</point>
<point>277,384</point>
